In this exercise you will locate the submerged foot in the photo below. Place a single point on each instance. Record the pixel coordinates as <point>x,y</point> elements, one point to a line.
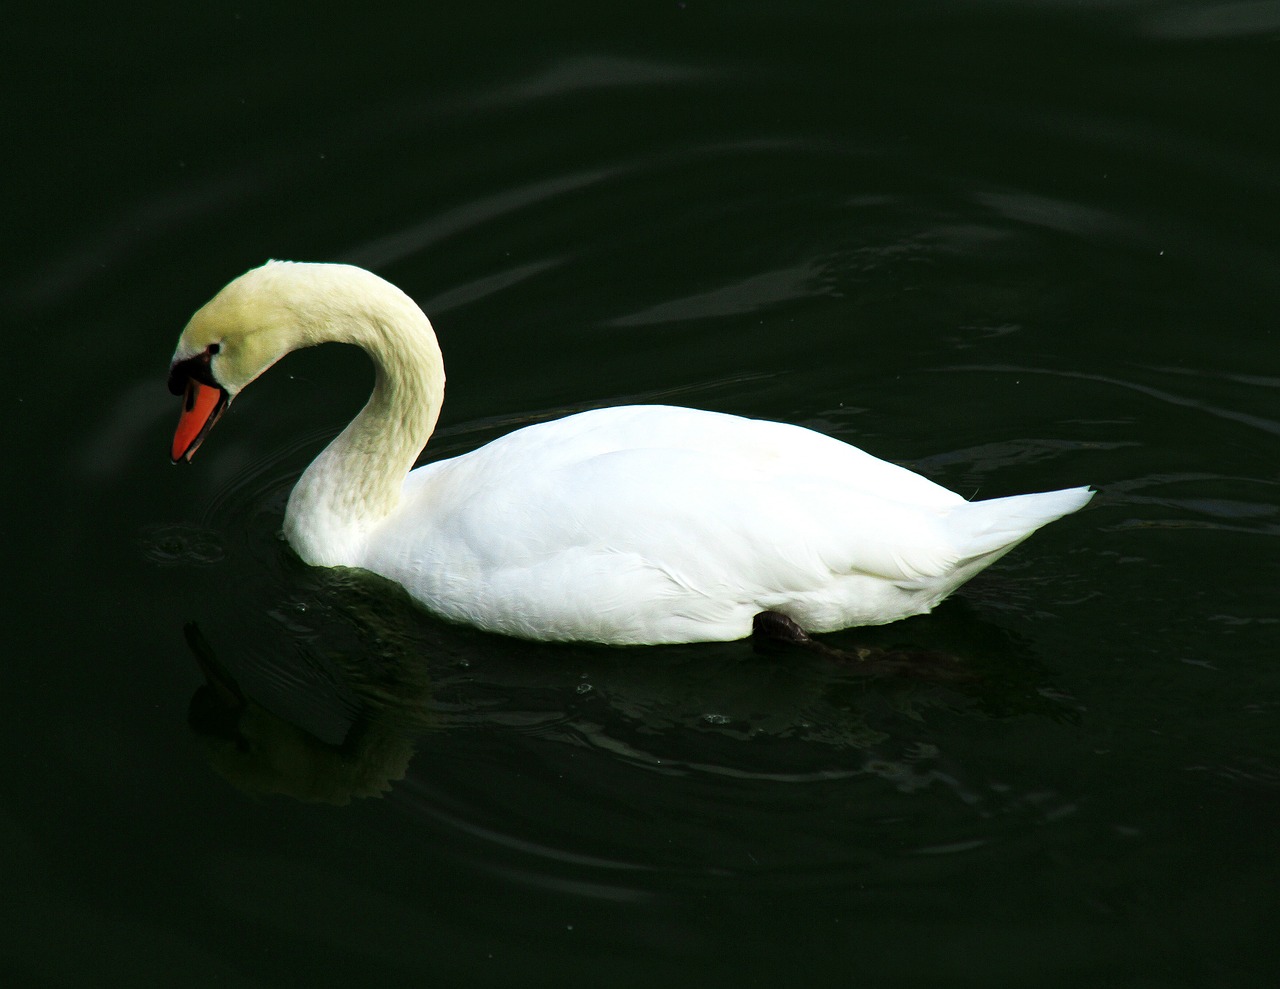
<point>775,627</point>
<point>772,631</point>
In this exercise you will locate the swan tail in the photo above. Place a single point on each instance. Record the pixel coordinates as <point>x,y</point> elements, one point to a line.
<point>988,529</point>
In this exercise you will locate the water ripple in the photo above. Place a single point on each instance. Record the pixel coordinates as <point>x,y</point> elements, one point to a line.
<point>1262,423</point>
<point>411,240</point>
<point>1214,21</point>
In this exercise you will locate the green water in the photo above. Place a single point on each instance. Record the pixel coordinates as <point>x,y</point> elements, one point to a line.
<point>1014,246</point>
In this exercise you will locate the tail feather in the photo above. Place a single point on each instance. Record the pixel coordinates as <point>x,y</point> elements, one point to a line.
<point>995,526</point>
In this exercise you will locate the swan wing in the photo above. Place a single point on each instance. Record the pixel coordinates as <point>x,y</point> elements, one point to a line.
<point>647,514</point>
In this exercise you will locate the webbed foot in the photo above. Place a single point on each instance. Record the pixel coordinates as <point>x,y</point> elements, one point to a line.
<point>772,631</point>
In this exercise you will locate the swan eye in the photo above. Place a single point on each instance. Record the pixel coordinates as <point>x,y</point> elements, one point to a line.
<point>194,367</point>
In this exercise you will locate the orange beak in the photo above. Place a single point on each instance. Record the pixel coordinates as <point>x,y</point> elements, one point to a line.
<point>201,407</point>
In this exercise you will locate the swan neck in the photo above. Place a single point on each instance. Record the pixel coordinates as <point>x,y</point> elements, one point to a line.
<point>357,480</point>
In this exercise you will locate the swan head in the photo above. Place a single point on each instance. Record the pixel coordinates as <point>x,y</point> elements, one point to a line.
<point>252,323</point>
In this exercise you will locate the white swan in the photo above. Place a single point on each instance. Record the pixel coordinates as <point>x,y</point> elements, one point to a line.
<point>630,525</point>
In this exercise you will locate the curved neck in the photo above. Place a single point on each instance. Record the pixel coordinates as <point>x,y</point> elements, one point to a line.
<point>357,480</point>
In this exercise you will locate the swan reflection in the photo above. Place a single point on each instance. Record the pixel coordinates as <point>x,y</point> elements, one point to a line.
<point>324,720</point>
<point>358,747</point>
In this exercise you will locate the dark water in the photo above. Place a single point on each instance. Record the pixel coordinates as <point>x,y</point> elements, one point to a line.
<point>1012,245</point>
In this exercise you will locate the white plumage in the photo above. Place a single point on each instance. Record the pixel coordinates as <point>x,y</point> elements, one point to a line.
<point>628,525</point>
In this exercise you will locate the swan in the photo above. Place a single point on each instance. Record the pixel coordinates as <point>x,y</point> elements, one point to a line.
<point>631,525</point>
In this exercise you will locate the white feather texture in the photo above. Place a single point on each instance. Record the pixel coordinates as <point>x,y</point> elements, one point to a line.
<point>628,525</point>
